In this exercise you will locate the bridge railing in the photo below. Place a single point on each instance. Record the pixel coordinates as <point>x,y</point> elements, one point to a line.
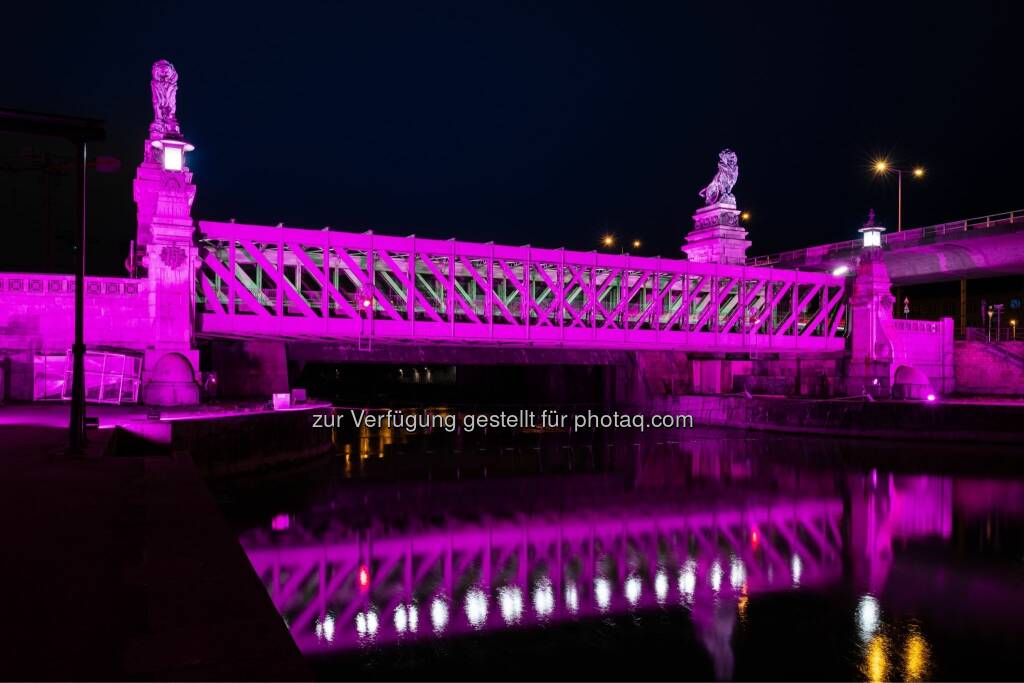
<point>292,283</point>
<point>903,237</point>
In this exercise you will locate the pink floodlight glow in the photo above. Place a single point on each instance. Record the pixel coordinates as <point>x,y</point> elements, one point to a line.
<point>280,522</point>
<point>931,397</point>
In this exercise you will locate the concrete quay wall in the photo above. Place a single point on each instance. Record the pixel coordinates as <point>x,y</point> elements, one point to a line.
<point>230,444</point>
<point>939,420</point>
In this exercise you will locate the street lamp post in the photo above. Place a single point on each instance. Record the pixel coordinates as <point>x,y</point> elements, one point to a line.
<point>883,166</point>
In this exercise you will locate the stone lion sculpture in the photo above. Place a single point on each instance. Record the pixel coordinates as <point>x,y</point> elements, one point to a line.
<point>719,190</point>
<point>165,97</point>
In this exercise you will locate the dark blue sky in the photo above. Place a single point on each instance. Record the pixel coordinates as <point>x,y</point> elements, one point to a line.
<point>541,123</point>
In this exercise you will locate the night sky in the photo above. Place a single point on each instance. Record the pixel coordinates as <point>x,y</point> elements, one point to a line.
<point>526,122</point>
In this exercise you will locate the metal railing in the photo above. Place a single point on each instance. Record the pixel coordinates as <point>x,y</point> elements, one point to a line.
<point>904,237</point>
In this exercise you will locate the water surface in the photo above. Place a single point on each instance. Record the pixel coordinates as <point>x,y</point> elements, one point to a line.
<point>693,555</point>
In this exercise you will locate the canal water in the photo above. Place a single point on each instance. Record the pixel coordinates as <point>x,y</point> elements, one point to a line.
<point>691,554</point>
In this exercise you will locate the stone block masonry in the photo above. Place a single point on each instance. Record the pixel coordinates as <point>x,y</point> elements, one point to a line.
<point>37,316</point>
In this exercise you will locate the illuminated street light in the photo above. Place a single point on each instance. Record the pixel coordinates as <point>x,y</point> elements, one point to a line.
<point>173,152</point>
<point>745,216</point>
<point>608,241</point>
<point>883,166</point>
<point>636,244</point>
<point>1013,328</point>
<point>872,233</point>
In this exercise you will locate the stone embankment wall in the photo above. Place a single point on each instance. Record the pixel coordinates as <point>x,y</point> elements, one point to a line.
<point>981,369</point>
<point>853,417</point>
<point>233,444</point>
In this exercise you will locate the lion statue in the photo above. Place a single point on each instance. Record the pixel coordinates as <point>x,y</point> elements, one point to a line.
<point>720,187</point>
<point>165,97</point>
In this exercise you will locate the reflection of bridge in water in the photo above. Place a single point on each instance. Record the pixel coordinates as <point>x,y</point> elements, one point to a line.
<point>379,588</point>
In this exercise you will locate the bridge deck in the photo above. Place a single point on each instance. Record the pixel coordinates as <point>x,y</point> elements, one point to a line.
<point>260,281</point>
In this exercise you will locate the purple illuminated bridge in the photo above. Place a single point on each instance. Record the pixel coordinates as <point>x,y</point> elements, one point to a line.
<point>346,291</point>
<point>286,283</point>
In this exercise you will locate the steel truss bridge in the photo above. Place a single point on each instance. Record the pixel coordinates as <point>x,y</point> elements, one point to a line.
<point>461,578</point>
<point>295,284</point>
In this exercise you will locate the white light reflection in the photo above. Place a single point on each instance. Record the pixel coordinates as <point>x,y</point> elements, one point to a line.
<point>439,614</point>
<point>476,607</point>
<point>660,586</point>
<point>325,629</point>
<point>715,576</point>
<point>510,599</point>
<point>367,623</point>
<point>602,592</point>
<point>737,573</point>
<point>544,598</point>
<point>688,581</point>
<point>633,589</point>
<point>797,567</point>
<point>572,598</point>
<point>406,618</point>
<point>868,613</point>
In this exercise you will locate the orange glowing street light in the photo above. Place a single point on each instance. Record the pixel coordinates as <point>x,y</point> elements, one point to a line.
<point>882,166</point>
<point>608,241</point>
<point>636,244</point>
<point>745,216</point>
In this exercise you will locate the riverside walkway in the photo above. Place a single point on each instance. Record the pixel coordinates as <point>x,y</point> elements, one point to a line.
<point>132,574</point>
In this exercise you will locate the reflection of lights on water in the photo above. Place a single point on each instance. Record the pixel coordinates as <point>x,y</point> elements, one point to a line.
<point>737,573</point>
<point>543,598</point>
<point>364,577</point>
<point>688,580</point>
<point>876,660</point>
<point>572,598</point>
<point>660,587</point>
<point>915,664</point>
<point>715,576</point>
<point>366,623</point>
<point>406,618</point>
<point>796,566</point>
<point>476,607</point>
<point>325,629</point>
<point>755,538</point>
<point>510,599</point>
<point>633,589</point>
<point>868,613</point>
<point>602,592</point>
<point>439,614</point>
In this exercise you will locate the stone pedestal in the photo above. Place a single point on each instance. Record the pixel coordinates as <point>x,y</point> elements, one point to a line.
<point>169,256</point>
<point>717,236</point>
<point>871,349</point>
